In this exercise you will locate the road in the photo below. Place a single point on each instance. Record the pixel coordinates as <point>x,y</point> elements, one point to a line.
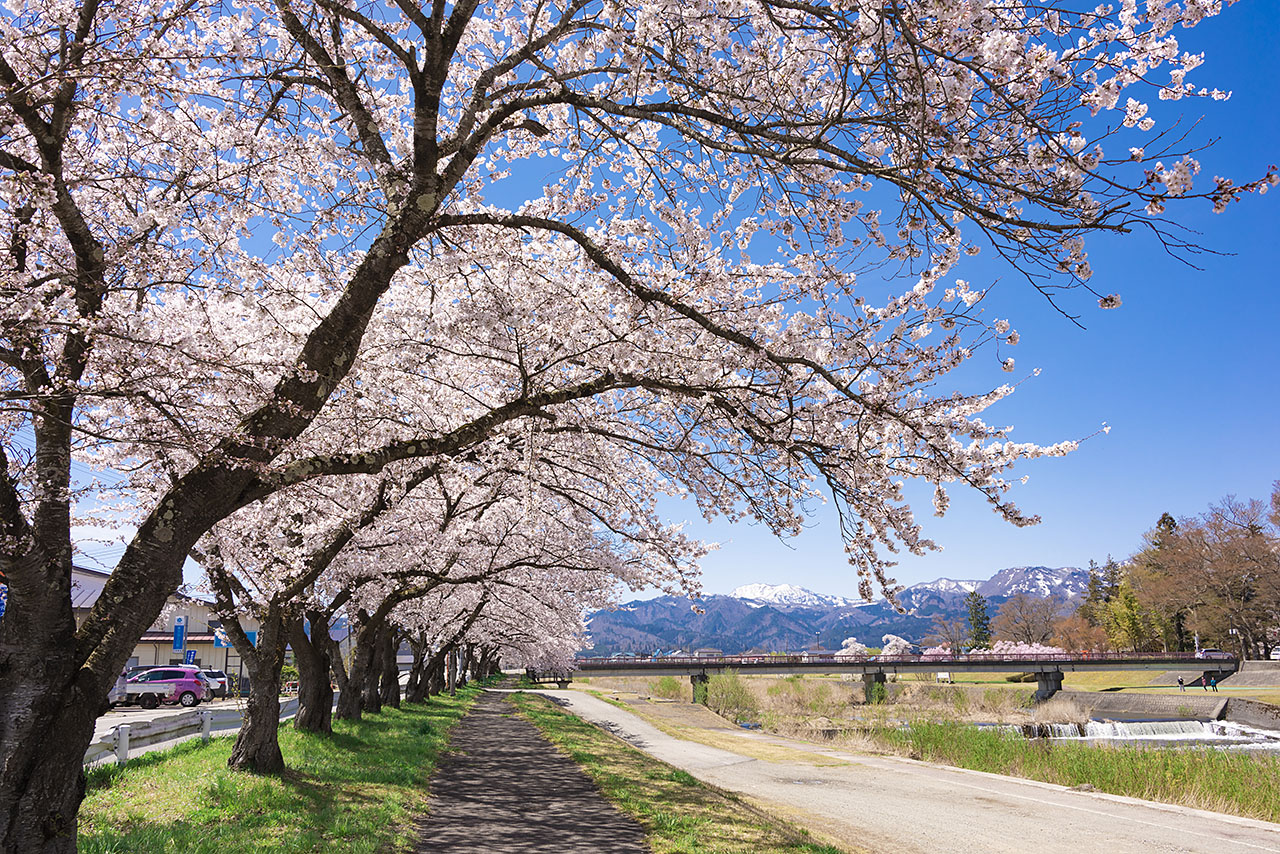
<point>890,804</point>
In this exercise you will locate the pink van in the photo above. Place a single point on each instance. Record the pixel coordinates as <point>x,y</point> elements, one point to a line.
<point>183,685</point>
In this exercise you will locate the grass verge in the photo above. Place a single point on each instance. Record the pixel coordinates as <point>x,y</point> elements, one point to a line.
<point>679,814</point>
<point>1222,781</point>
<point>356,791</point>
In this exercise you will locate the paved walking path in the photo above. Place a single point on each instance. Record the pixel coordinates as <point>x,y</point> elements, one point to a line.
<point>504,789</point>
<point>905,807</point>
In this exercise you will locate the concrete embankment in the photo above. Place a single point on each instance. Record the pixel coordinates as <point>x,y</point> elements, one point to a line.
<point>1255,674</point>
<point>1208,706</point>
<point>1252,713</point>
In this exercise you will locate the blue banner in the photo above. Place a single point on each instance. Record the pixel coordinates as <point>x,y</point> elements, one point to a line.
<point>4,598</point>
<point>191,656</point>
<point>179,634</point>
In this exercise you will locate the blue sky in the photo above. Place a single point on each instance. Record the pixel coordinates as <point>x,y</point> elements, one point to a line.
<point>1185,372</point>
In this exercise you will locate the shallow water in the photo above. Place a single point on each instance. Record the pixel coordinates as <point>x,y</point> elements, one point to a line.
<point>1175,733</point>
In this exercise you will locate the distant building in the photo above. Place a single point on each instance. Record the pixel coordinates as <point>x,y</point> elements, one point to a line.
<point>156,646</point>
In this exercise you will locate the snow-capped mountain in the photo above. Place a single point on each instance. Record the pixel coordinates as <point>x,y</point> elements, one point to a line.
<point>947,585</point>
<point>785,616</point>
<point>786,594</point>
<point>1064,582</point>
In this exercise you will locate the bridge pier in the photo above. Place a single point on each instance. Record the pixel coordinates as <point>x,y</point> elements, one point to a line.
<point>1048,683</point>
<point>869,683</point>
<point>700,682</point>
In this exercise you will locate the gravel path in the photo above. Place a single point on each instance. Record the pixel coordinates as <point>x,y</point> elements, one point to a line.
<point>504,789</point>
<point>906,807</point>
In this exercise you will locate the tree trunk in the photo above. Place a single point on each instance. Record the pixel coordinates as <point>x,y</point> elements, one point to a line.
<point>42,782</point>
<point>451,672</point>
<point>415,688</point>
<point>435,674</point>
<point>356,696</point>
<point>54,682</point>
<point>372,699</point>
<point>315,691</point>
<point>257,747</point>
<point>389,691</point>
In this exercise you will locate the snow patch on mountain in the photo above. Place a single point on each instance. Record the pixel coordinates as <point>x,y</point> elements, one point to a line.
<point>785,594</point>
<point>947,585</point>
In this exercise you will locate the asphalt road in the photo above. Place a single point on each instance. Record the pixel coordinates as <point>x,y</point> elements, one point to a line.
<point>907,807</point>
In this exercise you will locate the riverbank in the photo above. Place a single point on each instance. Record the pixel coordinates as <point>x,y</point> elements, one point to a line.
<point>890,803</point>
<point>934,723</point>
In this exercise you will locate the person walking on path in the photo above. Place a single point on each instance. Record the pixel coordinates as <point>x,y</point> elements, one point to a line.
<point>1213,683</point>
<point>1204,682</point>
<point>1182,686</point>
<point>504,789</point>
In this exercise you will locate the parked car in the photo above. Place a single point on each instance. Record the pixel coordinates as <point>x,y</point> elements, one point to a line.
<point>1211,652</point>
<point>217,682</point>
<point>183,685</point>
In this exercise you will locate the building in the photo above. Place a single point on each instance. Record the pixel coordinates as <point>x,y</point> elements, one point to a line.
<point>197,643</point>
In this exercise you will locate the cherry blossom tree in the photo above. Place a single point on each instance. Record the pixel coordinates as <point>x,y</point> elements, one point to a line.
<point>214,213</point>
<point>852,648</point>
<point>893,646</point>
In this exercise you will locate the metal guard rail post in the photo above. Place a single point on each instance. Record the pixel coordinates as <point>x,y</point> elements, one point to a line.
<point>123,738</point>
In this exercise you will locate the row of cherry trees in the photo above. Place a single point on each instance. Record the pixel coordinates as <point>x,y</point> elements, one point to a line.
<point>413,311</point>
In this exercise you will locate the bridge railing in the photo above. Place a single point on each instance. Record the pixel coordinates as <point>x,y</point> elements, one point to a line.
<point>811,659</point>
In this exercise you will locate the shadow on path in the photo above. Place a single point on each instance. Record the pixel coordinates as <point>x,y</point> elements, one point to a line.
<point>503,788</point>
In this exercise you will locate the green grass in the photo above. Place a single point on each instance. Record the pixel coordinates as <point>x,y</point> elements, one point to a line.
<point>1237,783</point>
<point>679,814</point>
<point>355,791</point>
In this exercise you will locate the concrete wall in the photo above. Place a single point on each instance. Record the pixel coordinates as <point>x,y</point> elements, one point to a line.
<point>1253,713</point>
<point>1256,674</point>
<point>1197,704</point>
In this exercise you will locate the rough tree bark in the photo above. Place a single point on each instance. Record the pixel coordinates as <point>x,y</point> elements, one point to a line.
<point>352,699</point>
<point>315,690</point>
<point>257,746</point>
<point>416,689</point>
<point>389,690</point>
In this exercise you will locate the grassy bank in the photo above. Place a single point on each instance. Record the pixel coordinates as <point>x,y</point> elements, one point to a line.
<point>678,813</point>
<point>357,791</point>
<point>1222,781</point>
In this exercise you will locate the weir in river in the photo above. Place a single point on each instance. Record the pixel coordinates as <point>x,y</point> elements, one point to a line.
<point>1156,733</point>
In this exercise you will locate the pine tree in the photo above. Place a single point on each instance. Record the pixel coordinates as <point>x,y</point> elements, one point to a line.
<point>1094,598</point>
<point>979,620</point>
<point>1112,575</point>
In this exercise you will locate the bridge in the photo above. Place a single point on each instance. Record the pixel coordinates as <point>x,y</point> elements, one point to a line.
<point>1048,669</point>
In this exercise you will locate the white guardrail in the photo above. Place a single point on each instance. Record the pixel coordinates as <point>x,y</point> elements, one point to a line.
<point>120,739</point>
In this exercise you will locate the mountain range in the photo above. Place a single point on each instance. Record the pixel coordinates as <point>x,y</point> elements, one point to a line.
<point>780,617</point>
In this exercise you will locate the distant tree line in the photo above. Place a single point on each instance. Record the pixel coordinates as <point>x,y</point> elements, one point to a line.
<point>1211,580</point>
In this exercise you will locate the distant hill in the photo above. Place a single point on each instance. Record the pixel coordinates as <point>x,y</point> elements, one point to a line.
<point>785,617</point>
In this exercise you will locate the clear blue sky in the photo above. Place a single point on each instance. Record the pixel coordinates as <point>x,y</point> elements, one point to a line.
<point>1185,372</point>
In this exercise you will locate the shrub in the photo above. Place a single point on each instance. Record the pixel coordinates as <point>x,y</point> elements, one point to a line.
<point>879,693</point>
<point>729,696</point>
<point>668,687</point>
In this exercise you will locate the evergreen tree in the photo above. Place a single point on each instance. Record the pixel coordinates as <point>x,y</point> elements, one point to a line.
<point>979,620</point>
<point>1112,575</point>
<point>1094,598</point>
